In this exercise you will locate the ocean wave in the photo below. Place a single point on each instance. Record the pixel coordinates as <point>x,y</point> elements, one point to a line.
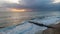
<point>29,28</point>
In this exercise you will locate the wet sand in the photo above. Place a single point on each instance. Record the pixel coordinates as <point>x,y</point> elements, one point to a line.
<point>53,31</point>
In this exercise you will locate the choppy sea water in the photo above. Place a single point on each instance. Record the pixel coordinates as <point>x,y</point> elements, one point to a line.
<point>27,28</point>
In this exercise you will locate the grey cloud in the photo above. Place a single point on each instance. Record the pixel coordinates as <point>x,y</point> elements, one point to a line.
<point>34,4</point>
<point>41,4</point>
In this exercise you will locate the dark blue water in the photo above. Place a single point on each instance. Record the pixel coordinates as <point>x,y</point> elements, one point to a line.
<point>11,19</point>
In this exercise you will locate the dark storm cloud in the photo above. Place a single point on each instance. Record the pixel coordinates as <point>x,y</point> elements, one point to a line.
<point>42,4</point>
<point>35,4</point>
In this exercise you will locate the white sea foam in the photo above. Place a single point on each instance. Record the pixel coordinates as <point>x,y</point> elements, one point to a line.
<point>28,28</point>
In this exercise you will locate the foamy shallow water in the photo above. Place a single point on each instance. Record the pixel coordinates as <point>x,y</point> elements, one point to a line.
<point>28,28</point>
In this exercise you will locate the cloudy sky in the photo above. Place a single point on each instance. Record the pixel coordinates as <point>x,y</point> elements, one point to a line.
<point>30,4</point>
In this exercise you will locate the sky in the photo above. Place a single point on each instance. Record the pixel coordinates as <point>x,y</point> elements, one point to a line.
<point>43,5</point>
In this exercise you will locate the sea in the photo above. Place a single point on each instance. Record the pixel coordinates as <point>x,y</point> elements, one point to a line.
<point>10,20</point>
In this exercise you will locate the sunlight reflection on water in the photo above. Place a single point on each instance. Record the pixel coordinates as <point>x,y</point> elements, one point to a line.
<point>11,18</point>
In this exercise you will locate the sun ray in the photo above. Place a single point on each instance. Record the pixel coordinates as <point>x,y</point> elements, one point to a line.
<point>17,10</point>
